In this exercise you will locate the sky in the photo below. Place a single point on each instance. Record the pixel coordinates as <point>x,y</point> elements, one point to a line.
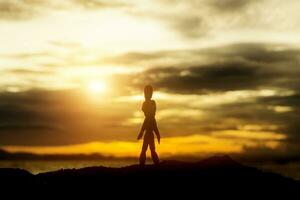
<point>225,75</point>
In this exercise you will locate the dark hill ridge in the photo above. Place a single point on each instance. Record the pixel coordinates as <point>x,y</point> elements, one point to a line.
<point>219,172</point>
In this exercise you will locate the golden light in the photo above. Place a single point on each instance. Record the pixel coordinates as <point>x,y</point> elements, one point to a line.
<point>96,87</point>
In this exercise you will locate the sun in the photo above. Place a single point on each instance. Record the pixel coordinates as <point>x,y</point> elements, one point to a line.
<point>96,87</point>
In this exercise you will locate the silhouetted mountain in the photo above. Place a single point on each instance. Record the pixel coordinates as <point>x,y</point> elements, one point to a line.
<point>212,174</point>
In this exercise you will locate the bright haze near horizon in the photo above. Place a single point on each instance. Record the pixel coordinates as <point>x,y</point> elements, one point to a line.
<point>225,75</point>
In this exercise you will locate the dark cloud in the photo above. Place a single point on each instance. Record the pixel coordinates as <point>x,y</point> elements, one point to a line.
<point>18,10</point>
<point>289,119</point>
<point>260,112</point>
<point>234,67</point>
<point>98,4</point>
<point>200,19</point>
<point>214,77</point>
<point>182,16</point>
<point>30,72</point>
<point>26,127</point>
<point>264,53</point>
<point>292,100</point>
<point>259,52</point>
<point>26,118</point>
<point>37,117</point>
<point>231,5</point>
<point>191,26</point>
<point>132,58</point>
<point>293,132</point>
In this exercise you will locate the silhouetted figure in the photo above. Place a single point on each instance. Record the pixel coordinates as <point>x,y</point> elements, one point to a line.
<point>149,126</point>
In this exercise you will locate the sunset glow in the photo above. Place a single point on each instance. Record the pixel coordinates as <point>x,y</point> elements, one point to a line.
<point>194,145</point>
<point>96,87</point>
<point>225,76</point>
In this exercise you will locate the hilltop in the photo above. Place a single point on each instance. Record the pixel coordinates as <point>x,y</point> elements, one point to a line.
<point>214,173</point>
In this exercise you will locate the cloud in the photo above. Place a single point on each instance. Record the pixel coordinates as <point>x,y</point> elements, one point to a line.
<point>19,9</point>
<point>204,19</point>
<point>99,4</point>
<point>24,72</point>
<point>182,17</point>
<point>242,66</point>
<point>260,52</point>
<point>255,53</point>
<point>191,26</point>
<point>215,77</point>
<point>190,23</point>
<point>219,17</point>
<point>271,69</point>
<point>260,115</point>
<point>229,68</point>
<point>189,19</point>
<point>29,9</point>
<point>288,119</point>
<point>40,117</point>
<point>231,5</point>
<point>228,88</point>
